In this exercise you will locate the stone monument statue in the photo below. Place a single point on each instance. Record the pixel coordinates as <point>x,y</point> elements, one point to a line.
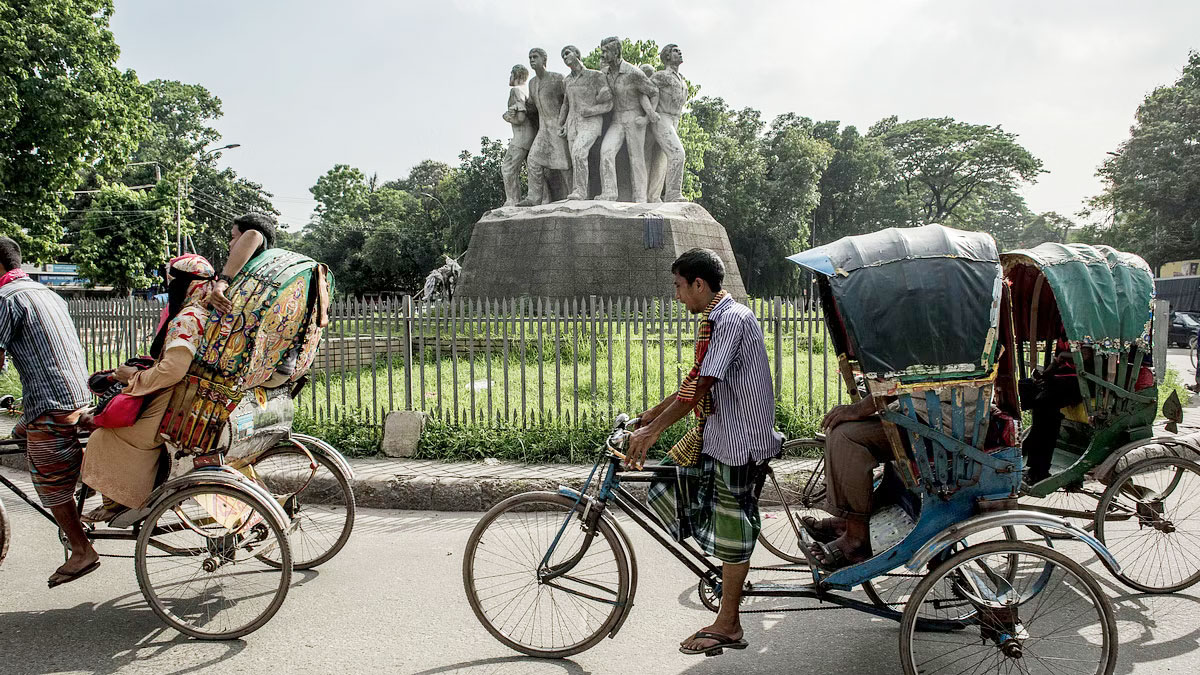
<point>548,160</point>
<point>667,158</point>
<point>588,98</point>
<point>632,110</point>
<point>523,133</point>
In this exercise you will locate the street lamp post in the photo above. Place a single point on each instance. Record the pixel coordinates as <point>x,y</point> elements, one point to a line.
<point>445,211</point>
<point>179,197</point>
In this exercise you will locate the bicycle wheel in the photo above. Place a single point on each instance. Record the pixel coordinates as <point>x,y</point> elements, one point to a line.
<point>5,533</point>
<point>1050,617</point>
<point>320,500</point>
<point>893,590</point>
<point>198,562</point>
<point>782,505</point>
<point>1151,522</point>
<point>549,618</point>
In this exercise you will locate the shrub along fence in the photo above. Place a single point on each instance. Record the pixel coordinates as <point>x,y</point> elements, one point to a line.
<point>512,362</point>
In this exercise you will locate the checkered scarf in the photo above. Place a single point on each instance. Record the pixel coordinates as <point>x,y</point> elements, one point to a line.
<point>687,451</point>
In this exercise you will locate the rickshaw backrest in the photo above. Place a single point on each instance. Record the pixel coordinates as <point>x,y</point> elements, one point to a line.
<point>270,337</point>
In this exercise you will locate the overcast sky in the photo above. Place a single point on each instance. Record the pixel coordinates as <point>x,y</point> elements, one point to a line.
<point>382,85</point>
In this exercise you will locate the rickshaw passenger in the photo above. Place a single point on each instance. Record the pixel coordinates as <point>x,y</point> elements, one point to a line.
<point>121,463</point>
<point>250,235</point>
<point>37,333</point>
<point>713,496</point>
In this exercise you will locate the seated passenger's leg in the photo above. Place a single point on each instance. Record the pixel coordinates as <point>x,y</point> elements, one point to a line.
<point>1038,446</point>
<point>852,451</point>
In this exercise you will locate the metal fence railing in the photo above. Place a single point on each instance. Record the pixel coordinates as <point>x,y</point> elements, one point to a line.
<point>522,360</point>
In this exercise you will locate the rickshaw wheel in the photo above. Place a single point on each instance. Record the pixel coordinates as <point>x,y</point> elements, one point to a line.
<point>1003,630</point>
<point>324,505</point>
<point>780,505</point>
<point>198,562</point>
<point>1149,519</point>
<point>5,533</point>
<point>893,590</point>
<point>556,618</point>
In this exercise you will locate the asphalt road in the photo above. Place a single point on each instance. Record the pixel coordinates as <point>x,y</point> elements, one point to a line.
<point>392,602</point>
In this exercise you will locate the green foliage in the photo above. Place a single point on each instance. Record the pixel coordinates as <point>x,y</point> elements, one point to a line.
<point>352,434</point>
<point>762,184</point>
<point>1152,183</point>
<point>65,109</point>
<point>940,163</point>
<point>469,192</point>
<point>123,239</point>
<point>855,198</point>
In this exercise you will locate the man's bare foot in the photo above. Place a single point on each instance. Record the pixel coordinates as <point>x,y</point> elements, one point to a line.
<point>733,634</point>
<point>842,552</point>
<point>79,564</point>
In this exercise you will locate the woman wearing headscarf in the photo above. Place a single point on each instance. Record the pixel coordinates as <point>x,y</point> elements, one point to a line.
<point>121,463</point>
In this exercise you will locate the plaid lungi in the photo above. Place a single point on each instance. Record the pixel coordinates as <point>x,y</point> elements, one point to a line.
<point>55,455</point>
<point>713,503</point>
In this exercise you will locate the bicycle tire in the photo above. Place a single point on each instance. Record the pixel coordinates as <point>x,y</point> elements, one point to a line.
<point>5,533</point>
<point>1106,663</point>
<point>560,507</point>
<point>169,615</point>
<point>305,556</point>
<point>781,539</point>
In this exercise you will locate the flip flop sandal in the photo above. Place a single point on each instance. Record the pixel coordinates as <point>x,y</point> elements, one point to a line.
<point>832,558</point>
<point>723,642</point>
<point>60,578</point>
<point>817,531</point>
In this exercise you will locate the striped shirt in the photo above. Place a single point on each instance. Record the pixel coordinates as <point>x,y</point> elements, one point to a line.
<point>742,426</point>
<point>37,335</point>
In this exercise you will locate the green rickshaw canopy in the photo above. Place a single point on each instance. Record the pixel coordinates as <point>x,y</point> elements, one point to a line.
<point>1103,295</point>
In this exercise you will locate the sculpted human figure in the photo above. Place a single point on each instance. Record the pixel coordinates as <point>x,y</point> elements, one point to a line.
<point>667,159</point>
<point>523,133</point>
<point>588,97</point>
<point>632,110</point>
<point>549,151</point>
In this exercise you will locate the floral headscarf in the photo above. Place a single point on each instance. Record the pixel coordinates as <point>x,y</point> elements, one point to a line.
<point>184,316</point>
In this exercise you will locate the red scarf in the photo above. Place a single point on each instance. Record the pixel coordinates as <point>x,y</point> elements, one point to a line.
<point>13,275</point>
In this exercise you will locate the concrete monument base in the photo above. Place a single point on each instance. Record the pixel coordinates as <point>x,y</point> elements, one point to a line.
<point>574,249</point>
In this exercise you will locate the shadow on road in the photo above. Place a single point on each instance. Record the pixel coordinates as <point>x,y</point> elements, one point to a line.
<point>97,638</point>
<point>505,664</point>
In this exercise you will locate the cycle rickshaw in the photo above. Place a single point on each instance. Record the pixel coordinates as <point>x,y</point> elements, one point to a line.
<point>241,500</point>
<point>1108,469</point>
<point>922,313</point>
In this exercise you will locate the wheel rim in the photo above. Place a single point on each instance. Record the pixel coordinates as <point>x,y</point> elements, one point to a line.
<point>1151,524</point>
<point>777,501</point>
<point>501,575</point>
<point>320,502</point>
<point>200,571</point>
<point>1050,617</point>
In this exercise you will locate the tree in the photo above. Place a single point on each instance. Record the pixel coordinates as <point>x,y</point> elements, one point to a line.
<point>124,236</point>
<point>466,193</point>
<point>855,198</point>
<point>65,108</point>
<point>1152,184</point>
<point>941,163</point>
<point>762,185</point>
<point>423,177</point>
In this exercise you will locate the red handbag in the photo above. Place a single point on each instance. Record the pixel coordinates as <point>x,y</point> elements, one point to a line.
<point>121,411</point>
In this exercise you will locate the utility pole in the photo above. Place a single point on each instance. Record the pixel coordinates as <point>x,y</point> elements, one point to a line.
<point>178,217</point>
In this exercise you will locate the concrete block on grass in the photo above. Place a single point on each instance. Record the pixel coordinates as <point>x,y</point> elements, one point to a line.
<point>402,433</point>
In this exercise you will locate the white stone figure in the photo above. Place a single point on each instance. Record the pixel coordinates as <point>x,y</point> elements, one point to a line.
<point>523,133</point>
<point>548,157</point>
<point>632,111</point>
<point>667,158</point>
<point>588,98</point>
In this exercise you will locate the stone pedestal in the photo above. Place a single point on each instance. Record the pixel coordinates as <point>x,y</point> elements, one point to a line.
<point>575,249</point>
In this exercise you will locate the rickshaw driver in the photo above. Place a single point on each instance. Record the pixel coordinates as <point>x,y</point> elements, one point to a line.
<point>713,496</point>
<point>37,332</point>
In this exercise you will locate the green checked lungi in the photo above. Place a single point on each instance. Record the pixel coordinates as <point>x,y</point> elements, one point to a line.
<point>713,503</point>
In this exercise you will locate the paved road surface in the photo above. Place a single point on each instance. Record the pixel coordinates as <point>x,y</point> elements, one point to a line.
<point>393,602</point>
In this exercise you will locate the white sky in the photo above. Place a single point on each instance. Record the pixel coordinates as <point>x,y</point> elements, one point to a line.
<point>383,85</point>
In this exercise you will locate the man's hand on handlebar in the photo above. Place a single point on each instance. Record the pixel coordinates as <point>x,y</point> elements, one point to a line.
<point>640,442</point>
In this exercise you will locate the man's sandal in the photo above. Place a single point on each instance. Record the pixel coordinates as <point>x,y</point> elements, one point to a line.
<point>832,558</point>
<point>819,530</point>
<point>723,642</point>
<point>60,578</point>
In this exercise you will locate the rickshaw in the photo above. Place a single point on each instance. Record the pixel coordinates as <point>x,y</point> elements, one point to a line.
<point>233,512</point>
<point>1109,471</point>
<point>920,313</point>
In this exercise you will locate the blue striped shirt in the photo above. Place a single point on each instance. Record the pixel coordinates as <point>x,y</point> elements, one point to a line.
<point>38,336</point>
<point>742,426</point>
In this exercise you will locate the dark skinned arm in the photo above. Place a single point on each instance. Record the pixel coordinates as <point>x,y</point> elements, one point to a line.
<point>646,436</point>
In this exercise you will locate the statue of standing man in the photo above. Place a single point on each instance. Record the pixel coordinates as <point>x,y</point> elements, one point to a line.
<point>632,110</point>
<point>523,133</point>
<point>588,98</point>
<point>667,159</point>
<point>548,160</point>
